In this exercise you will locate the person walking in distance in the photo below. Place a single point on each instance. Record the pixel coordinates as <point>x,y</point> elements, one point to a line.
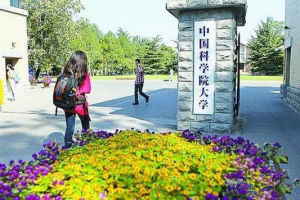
<point>12,81</point>
<point>171,75</point>
<point>139,83</point>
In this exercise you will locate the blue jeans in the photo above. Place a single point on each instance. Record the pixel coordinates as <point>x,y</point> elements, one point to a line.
<point>70,122</point>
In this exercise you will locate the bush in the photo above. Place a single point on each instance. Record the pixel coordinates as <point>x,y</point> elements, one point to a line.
<point>134,165</point>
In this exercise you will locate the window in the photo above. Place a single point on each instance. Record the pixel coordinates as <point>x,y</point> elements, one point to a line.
<point>15,3</point>
<point>287,70</point>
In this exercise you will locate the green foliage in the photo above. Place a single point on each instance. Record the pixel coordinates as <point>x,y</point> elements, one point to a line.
<point>267,48</point>
<point>88,39</point>
<point>53,35</point>
<point>50,31</point>
<point>114,54</point>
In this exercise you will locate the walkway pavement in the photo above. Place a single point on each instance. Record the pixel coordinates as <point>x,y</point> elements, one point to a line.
<point>29,122</point>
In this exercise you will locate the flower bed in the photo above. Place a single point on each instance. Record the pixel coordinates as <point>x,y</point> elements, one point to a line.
<point>134,165</point>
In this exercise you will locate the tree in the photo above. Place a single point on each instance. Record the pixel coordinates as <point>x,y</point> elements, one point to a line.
<point>152,57</point>
<point>267,48</point>
<point>88,39</point>
<point>53,35</point>
<point>50,32</point>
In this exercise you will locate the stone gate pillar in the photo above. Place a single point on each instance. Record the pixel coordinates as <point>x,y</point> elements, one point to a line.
<point>207,62</point>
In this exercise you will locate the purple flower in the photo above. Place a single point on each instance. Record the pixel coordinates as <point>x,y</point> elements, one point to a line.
<point>43,152</point>
<point>259,161</point>
<point>211,197</point>
<point>58,198</point>
<point>33,197</point>
<point>54,183</point>
<point>277,145</point>
<point>34,156</point>
<point>265,170</point>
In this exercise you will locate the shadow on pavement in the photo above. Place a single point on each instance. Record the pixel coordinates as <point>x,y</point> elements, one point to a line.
<point>56,137</point>
<point>161,109</point>
<point>18,146</point>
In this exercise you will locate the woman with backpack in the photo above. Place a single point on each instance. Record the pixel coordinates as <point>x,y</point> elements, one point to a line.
<point>77,67</point>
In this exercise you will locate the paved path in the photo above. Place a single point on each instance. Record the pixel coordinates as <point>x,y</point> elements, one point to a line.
<point>27,123</point>
<point>30,121</point>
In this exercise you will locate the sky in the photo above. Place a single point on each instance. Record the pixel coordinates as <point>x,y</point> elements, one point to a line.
<point>149,18</point>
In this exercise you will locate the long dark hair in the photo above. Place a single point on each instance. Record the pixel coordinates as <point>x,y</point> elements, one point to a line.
<point>77,66</point>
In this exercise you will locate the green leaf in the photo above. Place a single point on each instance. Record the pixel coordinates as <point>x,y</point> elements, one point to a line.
<point>283,159</point>
<point>139,154</point>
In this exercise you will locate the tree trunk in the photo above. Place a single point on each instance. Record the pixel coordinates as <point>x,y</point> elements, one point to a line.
<point>37,73</point>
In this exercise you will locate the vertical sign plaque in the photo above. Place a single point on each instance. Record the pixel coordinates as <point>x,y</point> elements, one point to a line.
<point>204,67</point>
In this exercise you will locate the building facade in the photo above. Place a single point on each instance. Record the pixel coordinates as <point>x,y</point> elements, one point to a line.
<point>291,86</point>
<point>13,40</point>
<point>244,58</point>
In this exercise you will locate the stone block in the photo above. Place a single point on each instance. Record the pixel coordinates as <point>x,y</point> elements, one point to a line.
<point>218,128</point>
<point>224,118</point>
<point>203,15</point>
<point>185,36</point>
<point>224,107</point>
<point>225,66</point>
<point>225,45</point>
<point>232,2</point>
<point>204,118</point>
<point>185,76</point>
<point>185,56</point>
<point>185,97</point>
<point>224,56</point>
<point>186,16</point>
<point>204,127</point>
<point>225,34</point>
<point>185,46</point>
<point>215,2</point>
<point>224,14</point>
<point>225,24</point>
<point>181,126</point>
<point>186,117</point>
<point>224,97</point>
<point>185,87</point>
<point>185,26</point>
<point>176,4</point>
<point>184,106</point>
<point>185,66</point>
<point>224,76</point>
<point>224,86</point>
<point>192,3</point>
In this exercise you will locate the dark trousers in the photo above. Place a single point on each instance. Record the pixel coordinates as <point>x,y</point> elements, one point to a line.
<point>70,122</point>
<point>139,89</point>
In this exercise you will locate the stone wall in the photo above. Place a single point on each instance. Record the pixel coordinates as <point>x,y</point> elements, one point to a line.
<point>222,120</point>
<point>292,40</point>
<point>293,98</point>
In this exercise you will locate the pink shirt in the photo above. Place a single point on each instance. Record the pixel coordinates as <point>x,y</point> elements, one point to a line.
<point>85,88</point>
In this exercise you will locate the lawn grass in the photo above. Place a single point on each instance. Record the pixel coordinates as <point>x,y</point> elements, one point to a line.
<point>166,77</point>
<point>261,78</point>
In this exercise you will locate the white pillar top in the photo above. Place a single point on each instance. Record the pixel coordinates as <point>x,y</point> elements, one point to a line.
<point>174,6</point>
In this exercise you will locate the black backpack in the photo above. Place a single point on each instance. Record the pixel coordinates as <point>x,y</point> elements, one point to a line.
<point>64,95</point>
